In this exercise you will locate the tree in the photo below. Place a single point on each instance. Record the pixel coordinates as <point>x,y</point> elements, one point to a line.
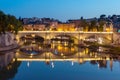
<point>93,25</point>
<point>81,18</point>
<point>84,24</point>
<point>101,24</point>
<point>3,22</point>
<point>103,16</point>
<point>9,23</point>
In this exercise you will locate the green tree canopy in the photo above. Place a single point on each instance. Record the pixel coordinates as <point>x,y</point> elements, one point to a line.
<point>9,23</point>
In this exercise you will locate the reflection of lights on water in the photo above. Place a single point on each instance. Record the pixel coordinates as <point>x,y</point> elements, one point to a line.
<point>95,56</point>
<point>39,47</point>
<point>59,47</point>
<point>28,64</point>
<point>47,61</point>
<point>91,53</point>
<point>31,55</point>
<point>81,61</point>
<point>87,50</point>
<point>65,44</point>
<point>52,64</point>
<point>98,65</point>
<point>72,49</point>
<point>56,52</point>
<point>58,42</point>
<point>100,49</point>
<point>100,40</point>
<point>72,63</point>
<point>25,41</point>
<point>62,54</point>
<point>33,41</point>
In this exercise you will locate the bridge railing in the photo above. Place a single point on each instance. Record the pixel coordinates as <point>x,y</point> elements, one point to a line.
<point>64,32</point>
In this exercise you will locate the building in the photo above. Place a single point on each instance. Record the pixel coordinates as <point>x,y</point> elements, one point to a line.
<point>66,27</point>
<point>39,27</point>
<point>77,22</point>
<point>108,27</point>
<point>34,27</point>
<point>53,25</point>
<point>28,27</point>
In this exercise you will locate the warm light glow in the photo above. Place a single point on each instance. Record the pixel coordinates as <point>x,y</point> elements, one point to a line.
<point>65,43</point>
<point>34,32</point>
<point>72,49</point>
<point>71,59</point>
<point>59,47</point>
<point>100,40</point>
<point>62,54</point>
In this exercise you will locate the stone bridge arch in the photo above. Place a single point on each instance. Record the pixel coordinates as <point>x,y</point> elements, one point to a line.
<point>50,35</point>
<point>65,37</point>
<point>106,38</point>
<point>80,36</point>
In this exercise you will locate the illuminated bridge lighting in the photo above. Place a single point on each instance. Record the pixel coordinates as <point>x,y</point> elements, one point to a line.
<point>71,59</point>
<point>64,32</point>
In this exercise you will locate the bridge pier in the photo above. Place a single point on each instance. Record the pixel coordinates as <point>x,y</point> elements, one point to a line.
<point>112,38</point>
<point>47,41</point>
<point>17,38</point>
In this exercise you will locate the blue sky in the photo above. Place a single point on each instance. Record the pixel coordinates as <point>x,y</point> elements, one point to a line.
<point>60,9</point>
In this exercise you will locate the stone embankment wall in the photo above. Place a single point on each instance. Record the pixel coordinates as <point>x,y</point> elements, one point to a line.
<point>7,41</point>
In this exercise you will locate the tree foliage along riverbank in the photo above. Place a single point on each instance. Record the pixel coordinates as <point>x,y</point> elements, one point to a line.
<point>9,23</point>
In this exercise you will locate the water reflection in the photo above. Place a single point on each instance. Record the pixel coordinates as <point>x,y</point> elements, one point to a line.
<point>57,56</point>
<point>64,51</point>
<point>8,65</point>
<point>6,58</point>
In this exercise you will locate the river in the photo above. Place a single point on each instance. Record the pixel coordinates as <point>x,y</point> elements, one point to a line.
<point>60,60</point>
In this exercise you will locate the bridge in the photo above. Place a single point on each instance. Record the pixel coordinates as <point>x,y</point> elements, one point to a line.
<point>78,35</point>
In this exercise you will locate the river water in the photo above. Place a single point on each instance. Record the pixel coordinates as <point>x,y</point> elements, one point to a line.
<point>59,60</point>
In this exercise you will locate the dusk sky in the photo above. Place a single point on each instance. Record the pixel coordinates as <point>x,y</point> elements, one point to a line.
<point>60,9</point>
